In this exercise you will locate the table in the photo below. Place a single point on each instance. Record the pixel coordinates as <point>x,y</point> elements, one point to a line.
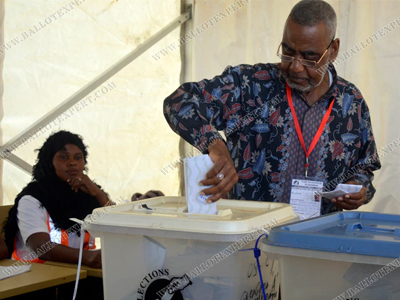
<point>39,277</point>
<point>91,272</point>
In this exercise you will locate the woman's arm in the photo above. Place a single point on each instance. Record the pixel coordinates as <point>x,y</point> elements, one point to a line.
<point>86,184</point>
<point>34,232</point>
<point>47,250</point>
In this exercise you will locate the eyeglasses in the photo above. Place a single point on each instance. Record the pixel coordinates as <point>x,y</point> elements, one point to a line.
<point>304,62</point>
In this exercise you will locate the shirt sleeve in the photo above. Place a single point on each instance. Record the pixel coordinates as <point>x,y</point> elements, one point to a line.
<point>196,111</point>
<point>32,218</point>
<point>368,158</point>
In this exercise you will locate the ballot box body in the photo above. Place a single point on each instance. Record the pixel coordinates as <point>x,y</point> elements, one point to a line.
<point>152,244</point>
<point>341,256</point>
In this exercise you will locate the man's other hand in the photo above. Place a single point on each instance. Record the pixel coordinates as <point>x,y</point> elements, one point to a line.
<point>351,201</point>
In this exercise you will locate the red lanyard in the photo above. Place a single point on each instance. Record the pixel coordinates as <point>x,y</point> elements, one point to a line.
<point>298,129</point>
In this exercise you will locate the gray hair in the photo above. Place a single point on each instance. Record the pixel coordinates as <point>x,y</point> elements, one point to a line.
<point>313,12</point>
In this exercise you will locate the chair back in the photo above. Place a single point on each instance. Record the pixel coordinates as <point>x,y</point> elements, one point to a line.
<point>4,209</point>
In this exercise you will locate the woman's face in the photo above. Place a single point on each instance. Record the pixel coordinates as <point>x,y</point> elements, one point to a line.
<point>69,162</point>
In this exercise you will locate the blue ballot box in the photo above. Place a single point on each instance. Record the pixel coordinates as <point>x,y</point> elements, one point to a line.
<point>346,255</point>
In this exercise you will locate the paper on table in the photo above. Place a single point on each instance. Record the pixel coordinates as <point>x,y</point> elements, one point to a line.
<point>6,272</point>
<point>196,169</point>
<point>341,190</point>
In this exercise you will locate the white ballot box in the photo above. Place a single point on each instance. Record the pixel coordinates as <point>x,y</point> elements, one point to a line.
<point>154,249</point>
<point>341,256</point>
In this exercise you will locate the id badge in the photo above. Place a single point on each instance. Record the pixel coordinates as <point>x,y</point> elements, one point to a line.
<point>305,196</point>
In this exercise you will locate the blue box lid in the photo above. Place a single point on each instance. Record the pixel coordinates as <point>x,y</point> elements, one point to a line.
<point>343,232</point>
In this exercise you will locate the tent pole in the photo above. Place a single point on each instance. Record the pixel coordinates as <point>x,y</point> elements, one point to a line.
<point>20,163</point>
<point>186,76</point>
<point>25,135</point>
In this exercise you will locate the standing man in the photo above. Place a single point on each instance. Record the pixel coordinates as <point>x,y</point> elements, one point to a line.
<point>281,120</point>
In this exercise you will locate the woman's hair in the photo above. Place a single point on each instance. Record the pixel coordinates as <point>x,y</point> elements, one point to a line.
<point>44,163</point>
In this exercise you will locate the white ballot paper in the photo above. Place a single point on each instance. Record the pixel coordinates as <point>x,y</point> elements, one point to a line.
<point>196,169</point>
<point>305,198</point>
<point>6,272</point>
<point>341,190</point>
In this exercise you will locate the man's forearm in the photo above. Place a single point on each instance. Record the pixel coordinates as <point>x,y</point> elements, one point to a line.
<point>217,144</point>
<point>198,110</point>
<point>366,181</point>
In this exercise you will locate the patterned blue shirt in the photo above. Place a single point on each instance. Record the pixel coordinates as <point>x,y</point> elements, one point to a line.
<point>249,104</point>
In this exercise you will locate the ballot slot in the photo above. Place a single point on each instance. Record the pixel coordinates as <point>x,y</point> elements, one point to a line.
<point>374,229</point>
<point>143,207</point>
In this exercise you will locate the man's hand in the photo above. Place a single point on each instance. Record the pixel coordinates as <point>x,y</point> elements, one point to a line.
<point>222,175</point>
<point>351,201</point>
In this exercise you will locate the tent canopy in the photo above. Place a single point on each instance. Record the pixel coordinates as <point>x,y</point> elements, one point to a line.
<point>129,141</point>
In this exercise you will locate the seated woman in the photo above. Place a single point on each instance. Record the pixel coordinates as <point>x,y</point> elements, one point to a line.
<point>39,225</point>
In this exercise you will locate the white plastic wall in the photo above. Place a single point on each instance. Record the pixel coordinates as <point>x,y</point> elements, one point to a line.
<point>129,141</point>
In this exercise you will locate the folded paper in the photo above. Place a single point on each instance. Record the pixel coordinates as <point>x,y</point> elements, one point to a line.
<point>341,190</point>
<point>6,272</point>
<point>196,169</point>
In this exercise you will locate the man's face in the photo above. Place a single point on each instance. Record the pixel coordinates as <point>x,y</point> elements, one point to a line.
<point>306,43</point>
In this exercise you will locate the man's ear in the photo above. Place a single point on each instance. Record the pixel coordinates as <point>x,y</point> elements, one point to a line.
<point>334,50</point>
